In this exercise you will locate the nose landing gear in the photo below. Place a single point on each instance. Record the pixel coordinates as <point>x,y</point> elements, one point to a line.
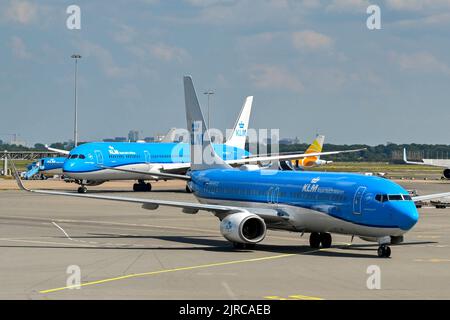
<point>384,251</point>
<point>82,189</point>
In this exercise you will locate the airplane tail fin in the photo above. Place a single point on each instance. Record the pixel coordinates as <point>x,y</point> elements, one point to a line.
<point>239,135</point>
<point>203,155</point>
<point>170,135</point>
<point>317,145</point>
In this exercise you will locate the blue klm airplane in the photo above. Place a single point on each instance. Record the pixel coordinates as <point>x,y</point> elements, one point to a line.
<point>44,167</point>
<point>94,163</point>
<point>248,203</point>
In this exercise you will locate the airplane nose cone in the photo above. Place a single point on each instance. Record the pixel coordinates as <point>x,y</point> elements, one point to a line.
<point>407,216</point>
<point>69,166</point>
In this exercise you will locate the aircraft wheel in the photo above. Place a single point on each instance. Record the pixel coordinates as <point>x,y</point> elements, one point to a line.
<point>188,190</point>
<point>314,240</point>
<point>135,187</point>
<point>384,251</point>
<point>82,189</point>
<point>326,240</point>
<point>148,187</point>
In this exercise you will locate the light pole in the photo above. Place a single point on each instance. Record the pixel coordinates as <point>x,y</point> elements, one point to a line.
<point>208,93</point>
<point>75,129</point>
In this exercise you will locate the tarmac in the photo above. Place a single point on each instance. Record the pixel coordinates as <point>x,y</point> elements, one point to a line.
<point>121,251</point>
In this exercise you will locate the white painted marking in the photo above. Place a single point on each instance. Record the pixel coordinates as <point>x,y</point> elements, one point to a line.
<point>65,233</point>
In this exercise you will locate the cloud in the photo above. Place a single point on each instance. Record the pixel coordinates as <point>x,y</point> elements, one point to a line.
<point>19,48</point>
<point>348,6</point>
<point>23,12</point>
<point>420,62</point>
<point>125,34</point>
<point>274,77</point>
<point>168,53</point>
<point>418,5</point>
<point>439,19</point>
<point>104,58</point>
<point>310,40</point>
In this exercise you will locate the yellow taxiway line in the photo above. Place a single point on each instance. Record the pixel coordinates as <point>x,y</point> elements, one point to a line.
<point>135,275</point>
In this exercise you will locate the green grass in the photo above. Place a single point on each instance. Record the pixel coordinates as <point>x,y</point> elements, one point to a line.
<point>376,167</point>
<point>21,165</point>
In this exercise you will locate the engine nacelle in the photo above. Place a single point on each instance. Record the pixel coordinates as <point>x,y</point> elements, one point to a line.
<point>243,227</point>
<point>446,173</point>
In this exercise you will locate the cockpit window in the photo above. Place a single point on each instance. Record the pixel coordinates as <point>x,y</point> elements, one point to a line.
<point>81,156</point>
<point>73,156</point>
<point>395,197</point>
<point>392,197</point>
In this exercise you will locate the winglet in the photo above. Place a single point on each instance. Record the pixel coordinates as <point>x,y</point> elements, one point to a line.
<point>404,155</point>
<point>57,150</point>
<point>16,176</point>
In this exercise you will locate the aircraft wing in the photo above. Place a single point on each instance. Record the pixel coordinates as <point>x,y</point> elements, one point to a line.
<point>57,150</point>
<point>269,215</point>
<point>289,156</point>
<point>431,196</point>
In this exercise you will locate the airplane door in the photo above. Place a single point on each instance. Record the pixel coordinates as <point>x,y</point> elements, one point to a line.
<point>147,156</point>
<point>272,195</point>
<point>99,156</point>
<point>357,201</point>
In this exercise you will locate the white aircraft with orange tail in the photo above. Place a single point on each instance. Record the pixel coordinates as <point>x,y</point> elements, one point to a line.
<point>307,162</point>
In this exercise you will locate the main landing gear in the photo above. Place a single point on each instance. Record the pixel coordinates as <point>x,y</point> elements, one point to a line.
<point>384,251</point>
<point>317,239</point>
<point>82,189</point>
<point>142,187</point>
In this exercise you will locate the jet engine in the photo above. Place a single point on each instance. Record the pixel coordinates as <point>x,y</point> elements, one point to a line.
<point>243,227</point>
<point>446,173</point>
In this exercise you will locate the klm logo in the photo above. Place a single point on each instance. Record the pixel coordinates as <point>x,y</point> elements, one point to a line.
<point>315,180</point>
<point>196,133</point>
<point>241,132</point>
<point>113,151</point>
<point>310,187</point>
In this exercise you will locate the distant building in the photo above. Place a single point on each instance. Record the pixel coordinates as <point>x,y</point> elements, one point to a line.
<point>149,139</point>
<point>286,141</point>
<point>133,135</point>
<point>115,139</point>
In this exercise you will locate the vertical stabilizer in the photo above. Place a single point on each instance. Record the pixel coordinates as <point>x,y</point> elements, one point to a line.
<point>203,155</point>
<point>238,137</point>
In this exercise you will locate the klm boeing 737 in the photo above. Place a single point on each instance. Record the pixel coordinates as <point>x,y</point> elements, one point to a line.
<point>248,203</point>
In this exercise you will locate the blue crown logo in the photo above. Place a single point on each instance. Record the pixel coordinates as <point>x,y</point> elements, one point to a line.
<point>241,124</point>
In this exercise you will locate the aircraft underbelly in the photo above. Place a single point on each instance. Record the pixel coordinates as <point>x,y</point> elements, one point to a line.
<point>302,219</point>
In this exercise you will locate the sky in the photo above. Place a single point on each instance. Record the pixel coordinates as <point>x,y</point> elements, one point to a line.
<point>312,66</point>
